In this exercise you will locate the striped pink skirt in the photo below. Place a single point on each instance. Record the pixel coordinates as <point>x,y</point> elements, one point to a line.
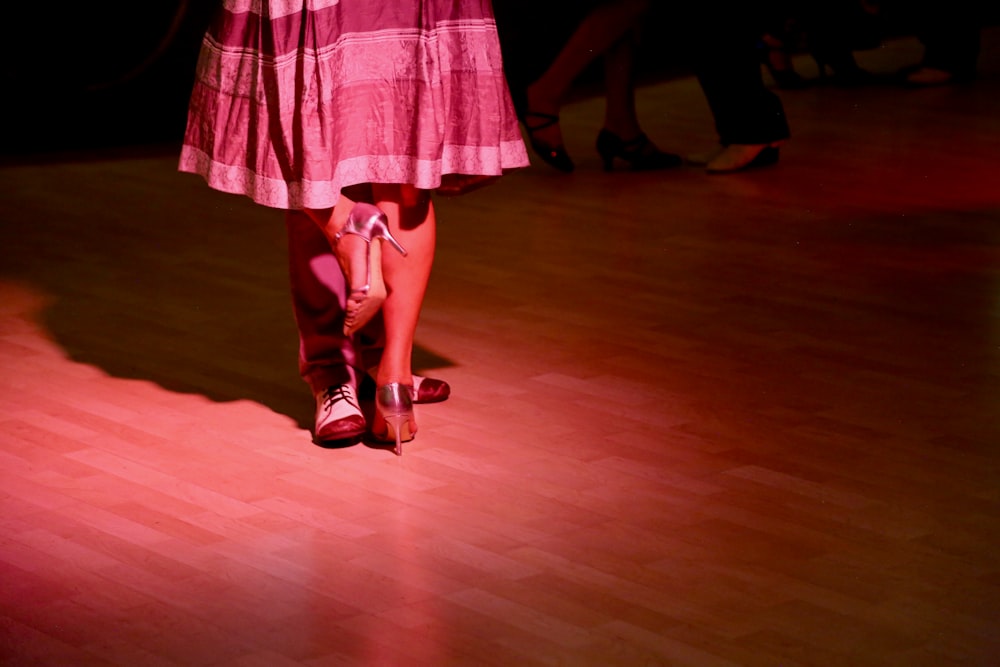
<point>296,99</point>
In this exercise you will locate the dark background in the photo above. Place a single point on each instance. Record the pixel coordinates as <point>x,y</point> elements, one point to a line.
<point>97,74</point>
<point>116,73</point>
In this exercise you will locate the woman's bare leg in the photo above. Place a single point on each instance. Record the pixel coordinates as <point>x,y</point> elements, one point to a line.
<point>332,220</point>
<point>598,32</point>
<point>358,252</point>
<point>410,214</point>
<point>619,89</point>
<point>412,222</point>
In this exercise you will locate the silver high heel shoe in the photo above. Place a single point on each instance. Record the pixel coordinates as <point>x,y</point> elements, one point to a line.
<point>368,222</point>
<point>394,408</point>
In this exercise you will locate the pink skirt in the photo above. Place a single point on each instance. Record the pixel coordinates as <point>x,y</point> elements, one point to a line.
<point>296,99</point>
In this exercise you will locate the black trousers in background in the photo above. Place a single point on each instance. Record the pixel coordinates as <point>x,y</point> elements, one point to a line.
<point>720,41</point>
<point>950,33</point>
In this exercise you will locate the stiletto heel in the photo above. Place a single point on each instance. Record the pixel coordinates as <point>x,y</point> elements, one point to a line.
<point>641,153</point>
<point>370,223</point>
<point>394,408</point>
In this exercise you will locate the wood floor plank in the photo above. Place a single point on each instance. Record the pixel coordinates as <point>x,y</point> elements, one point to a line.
<point>737,420</point>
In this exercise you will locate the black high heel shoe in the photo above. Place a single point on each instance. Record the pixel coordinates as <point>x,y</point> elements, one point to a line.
<point>555,156</point>
<point>641,153</point>
<point>394,411</point>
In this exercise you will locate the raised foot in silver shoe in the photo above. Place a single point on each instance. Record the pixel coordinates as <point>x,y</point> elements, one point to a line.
<point>369,222</point>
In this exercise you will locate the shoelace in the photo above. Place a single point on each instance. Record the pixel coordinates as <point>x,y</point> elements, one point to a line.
<point>339,393</point>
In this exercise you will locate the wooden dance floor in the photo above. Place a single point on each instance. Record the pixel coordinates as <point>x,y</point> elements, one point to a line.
<point>696,420</point>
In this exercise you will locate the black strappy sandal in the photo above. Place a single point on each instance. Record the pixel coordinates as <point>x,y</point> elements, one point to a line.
<point>556,156</point>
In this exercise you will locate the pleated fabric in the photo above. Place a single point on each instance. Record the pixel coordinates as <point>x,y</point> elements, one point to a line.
<point>296,99</point>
